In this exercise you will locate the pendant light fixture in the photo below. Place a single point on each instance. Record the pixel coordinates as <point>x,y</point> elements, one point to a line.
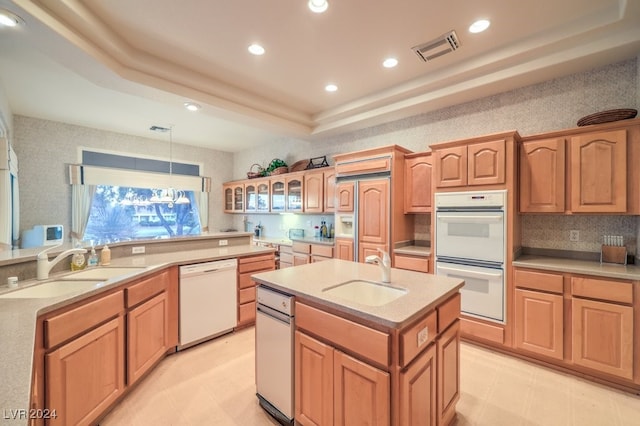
<point>169,196</point>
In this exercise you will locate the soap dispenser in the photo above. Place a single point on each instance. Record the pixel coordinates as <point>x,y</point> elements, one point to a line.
<point>93,258</point>
<point>105,256</point>
<point>78,262</point>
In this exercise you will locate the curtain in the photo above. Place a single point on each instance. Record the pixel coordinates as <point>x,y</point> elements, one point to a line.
<point>203,211</point>
<point>81,197</point>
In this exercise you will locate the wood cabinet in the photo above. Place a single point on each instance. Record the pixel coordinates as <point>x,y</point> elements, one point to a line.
<point>278,194</point>
<point>373,217</point>
<point>263,196</point>
<point>345,197</point>
<point>448,364</point>
<point>233,196</point>
<point>418,391</point>
<point>471,164</point>
<point>320,252</point>
<point>86,375</point>
<point>542,176</point>
<point>412,263</point>
<point>417,183</point>
<point>248,266</point>
<point>344,249</point>
<point>295,193</point>
<point>599,172</point>
<point>330,187</point>
<point>286,257</point>
<point>313,381</point>
<point>590,169</point>
<point>250,197</point>
<point>314,192</point>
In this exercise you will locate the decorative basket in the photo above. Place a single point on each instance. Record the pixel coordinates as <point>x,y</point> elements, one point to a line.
<point>607,116</point>
<point>298,166</point>
<point>279,171</point>
<point>277,167</point>
<point>251,174</point>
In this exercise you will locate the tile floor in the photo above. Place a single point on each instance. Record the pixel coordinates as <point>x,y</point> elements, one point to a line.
<point>213,384</point>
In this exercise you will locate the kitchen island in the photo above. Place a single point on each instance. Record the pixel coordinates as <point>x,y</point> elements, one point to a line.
<point>381,354</point>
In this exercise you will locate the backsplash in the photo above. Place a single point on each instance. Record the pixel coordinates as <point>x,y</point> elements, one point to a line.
<point>552,231</point>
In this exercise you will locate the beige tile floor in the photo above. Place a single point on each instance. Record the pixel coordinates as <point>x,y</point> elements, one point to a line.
<point>213,384</point>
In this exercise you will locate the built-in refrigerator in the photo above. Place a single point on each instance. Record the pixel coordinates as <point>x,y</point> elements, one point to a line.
<point>9,200</point>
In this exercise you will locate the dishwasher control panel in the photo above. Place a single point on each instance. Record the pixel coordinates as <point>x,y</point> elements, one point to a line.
<point>274,299</point>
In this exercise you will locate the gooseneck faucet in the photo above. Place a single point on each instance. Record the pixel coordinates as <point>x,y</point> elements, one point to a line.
<point>43,264</point>
<point>384,263</point>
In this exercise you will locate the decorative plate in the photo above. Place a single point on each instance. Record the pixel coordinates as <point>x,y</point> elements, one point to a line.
<point>607,116</point>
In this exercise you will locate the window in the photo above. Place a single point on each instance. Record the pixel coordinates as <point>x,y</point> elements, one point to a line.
<point>125,213</point>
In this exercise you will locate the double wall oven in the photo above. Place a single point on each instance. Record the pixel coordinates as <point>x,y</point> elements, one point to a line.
<point>470,240</point>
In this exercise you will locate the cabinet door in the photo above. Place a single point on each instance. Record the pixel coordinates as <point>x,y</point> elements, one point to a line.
<point>418,391</point>
<point>300,259</point>
<point>451,166</point>
<point>373,211</point>
<point>603,337</point>
<point>542,176</point>
<point>147,336</point>
<point>344,249</point>
<point>313,192</point>
<point>238,198</point>
<point>599,172</point>
<point>294,194</point>
<point>313,381</point>
<point>330,191</point>
<point>417,184</point>
<point>539,323</point>
<point>277,195</point>
<point>370,249</point>
<point>227,196</point>
<point>448,357</point>
<point>361,393</point>
<point>486,163</point>
<point>86,375</point>
<point>345,197</point>
<point>250,198</point>
<point>263,196</point>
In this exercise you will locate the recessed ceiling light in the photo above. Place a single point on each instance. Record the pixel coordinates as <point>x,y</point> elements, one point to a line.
<point>330,87</point>
<point>479,26</point>
<point>318,6</point>
<point>256,49</point>
<point>192,106</point>
<point>390,62</point>
<point>9,19</point>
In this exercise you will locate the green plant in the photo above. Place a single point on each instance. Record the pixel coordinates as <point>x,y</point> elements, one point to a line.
<point>275,163</point>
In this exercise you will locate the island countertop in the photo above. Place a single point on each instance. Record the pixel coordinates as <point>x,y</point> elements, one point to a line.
<point>424,291</point>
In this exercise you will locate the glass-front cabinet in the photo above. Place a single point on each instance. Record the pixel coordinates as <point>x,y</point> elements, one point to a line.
<point>277,195</point>
<point>262,196</point>
<point>233,195</point>
<point>250,197</point>
<point>294,194</point>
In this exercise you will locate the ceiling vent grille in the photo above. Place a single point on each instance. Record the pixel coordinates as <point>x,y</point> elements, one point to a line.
<point>442,45</point>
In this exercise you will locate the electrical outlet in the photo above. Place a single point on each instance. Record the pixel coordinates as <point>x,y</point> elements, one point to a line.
<point>223,242</point>
<point>137,250</point>
<point>574,235</point>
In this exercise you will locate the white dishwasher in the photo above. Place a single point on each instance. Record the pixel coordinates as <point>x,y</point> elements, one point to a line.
<point>208,301</point>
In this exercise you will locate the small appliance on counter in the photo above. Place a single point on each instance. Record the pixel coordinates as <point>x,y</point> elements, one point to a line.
<point>42,235</point>
<point>296,233</point>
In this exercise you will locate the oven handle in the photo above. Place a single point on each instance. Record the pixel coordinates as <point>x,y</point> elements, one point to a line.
<point>475,219</point>
<point>466,271</point>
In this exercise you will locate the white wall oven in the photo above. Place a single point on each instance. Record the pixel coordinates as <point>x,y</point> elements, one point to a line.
<point>470,240</point>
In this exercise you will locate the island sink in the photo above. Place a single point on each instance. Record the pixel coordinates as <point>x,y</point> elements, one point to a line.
<point>368,293</point>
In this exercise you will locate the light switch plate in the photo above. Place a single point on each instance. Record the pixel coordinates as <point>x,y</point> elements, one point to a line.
<point>223,242</point>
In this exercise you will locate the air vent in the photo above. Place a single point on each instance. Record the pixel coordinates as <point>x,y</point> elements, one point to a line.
<point>442,45</point>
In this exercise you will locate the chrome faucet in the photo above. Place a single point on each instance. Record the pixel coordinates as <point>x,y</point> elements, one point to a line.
<point>43,264</point>
<point>385,264</point>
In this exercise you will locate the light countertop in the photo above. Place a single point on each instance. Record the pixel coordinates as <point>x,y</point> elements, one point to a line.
<point>289,242</point>
<point>425,291</point>
<point>18,316</point>
<point>587,267</point>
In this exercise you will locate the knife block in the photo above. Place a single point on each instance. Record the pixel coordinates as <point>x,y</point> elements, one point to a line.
<point>613,254</point>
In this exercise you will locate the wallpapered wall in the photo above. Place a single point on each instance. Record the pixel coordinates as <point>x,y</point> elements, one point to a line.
<point>44,148</point>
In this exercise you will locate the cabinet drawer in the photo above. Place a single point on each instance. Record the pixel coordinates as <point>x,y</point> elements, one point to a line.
<point>301,247</point>
<point>543,281</point>
<point>417,337</point>
<point>247,295</point>
<point>359,339</point>
<point>262,265</point>
<point>246,313</point>
<point>286,258</point>
<point>258,258</point>
<point>448,312</point>
<point>245,281</point>
<point>68,324</point>
<point>595,288</point>
<point>285,249</point>
<point>319,258</point>
<point>147,288</point>
<point>412,263</point>
<point>321,250</point>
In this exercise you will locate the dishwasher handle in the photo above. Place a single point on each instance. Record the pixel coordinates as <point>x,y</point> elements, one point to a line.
<point>272,313</point>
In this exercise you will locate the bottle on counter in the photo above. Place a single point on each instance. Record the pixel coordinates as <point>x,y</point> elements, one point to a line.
<point>332,231</point>
<point>78,261</point>
<point>105,256</point>
<point>323,229</point>
<point>93,258</point>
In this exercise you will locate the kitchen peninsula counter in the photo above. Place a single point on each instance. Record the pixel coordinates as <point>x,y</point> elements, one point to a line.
<point>18,317</point>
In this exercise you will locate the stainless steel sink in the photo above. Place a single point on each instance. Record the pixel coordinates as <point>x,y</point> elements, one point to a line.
<point>103,273</point>
<point>53,289</point>
<point>368,293</point>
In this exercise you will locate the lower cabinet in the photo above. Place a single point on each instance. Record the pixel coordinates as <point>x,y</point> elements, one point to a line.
<point>448,362</point>
<point>539,323</point>
<point>344,249</point>
<point>418,391</point>
<point>86,375</point>
<point>248,266</point>
<point>412,263</point>
<point>335,388</point>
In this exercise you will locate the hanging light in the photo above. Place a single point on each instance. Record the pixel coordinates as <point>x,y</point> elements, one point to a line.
<point>170,195</point>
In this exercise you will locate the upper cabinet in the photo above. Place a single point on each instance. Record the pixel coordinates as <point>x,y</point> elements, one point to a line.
<point>581,171</point>
<point>417,183</point>
<point>470,163</point>
<point>314,192</point>
<point>330,190</point>
<point>294,188</point>
<point>345,196</point>
<point>277,194</point>
<point>233,194</point>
